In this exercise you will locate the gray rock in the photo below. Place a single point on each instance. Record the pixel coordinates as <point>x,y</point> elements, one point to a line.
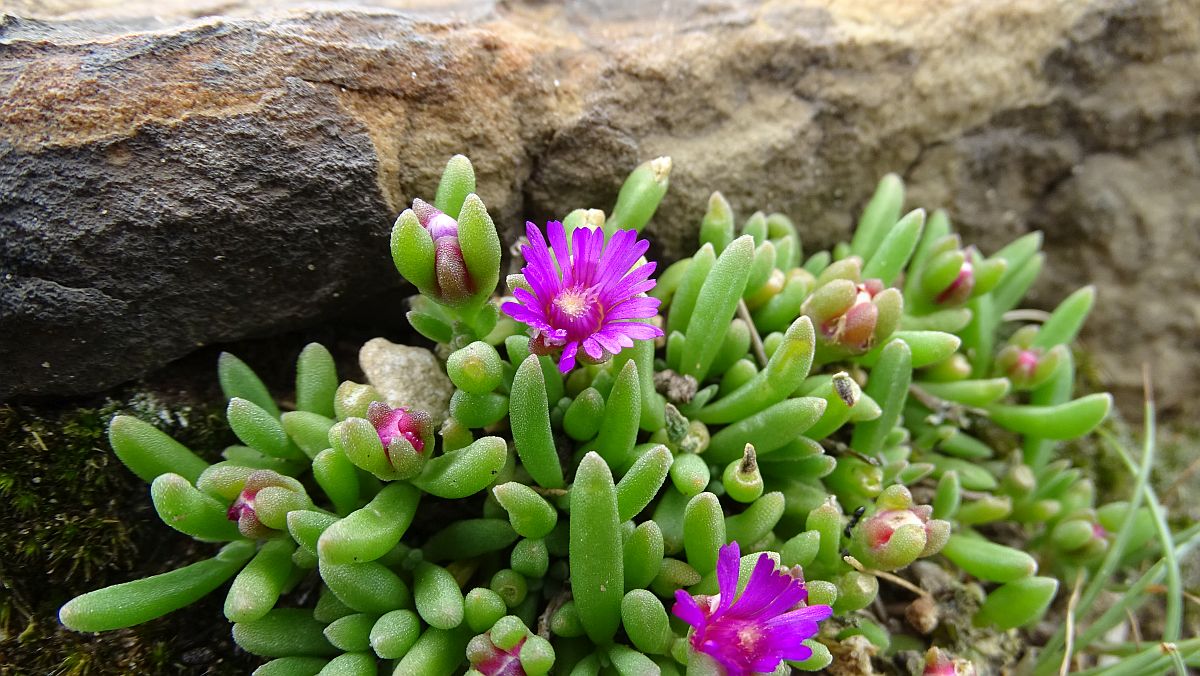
<point>168,177</point>
<point>407,376</point>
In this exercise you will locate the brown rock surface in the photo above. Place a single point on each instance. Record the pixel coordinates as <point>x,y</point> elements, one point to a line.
<point>175,174</point>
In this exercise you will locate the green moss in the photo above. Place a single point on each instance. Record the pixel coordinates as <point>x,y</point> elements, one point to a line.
<point>73,519</point>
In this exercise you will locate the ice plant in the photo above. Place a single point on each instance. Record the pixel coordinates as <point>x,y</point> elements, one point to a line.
<point>794,409</point>
<point>586,294</point>
<point>765,625</point>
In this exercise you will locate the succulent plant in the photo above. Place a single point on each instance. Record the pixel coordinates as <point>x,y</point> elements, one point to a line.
<point>586,506</point>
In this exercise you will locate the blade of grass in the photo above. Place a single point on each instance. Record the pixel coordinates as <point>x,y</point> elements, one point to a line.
<point>1065,667</point>
<point>1172,625</point>
<point>1113,558</point>
<point>1153,660</point>
<point>1133,597</point>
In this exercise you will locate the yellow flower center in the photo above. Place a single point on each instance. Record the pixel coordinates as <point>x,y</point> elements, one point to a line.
<point>572,302</point>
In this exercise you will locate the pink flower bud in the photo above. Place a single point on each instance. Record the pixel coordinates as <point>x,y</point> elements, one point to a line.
<point>1028,367</point>
<point>849,321</point>
<point>454,283</point>
<point>938,663</point>
<point>404,434</point>
<point>490,660</point>
<point>899,531</point>
<point>248,513</point>
<point>960,289</point>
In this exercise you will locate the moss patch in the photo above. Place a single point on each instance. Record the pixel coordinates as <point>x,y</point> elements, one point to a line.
<point>73,519</point>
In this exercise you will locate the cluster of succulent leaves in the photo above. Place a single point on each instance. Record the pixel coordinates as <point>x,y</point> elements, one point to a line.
<point>847,412</point>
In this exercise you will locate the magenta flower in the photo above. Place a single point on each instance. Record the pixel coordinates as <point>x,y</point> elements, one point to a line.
<point>767,623</point>
<point>586,295</point>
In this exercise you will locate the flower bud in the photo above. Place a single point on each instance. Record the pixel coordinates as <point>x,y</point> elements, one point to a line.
<point>1028,367</point>
<point>717,226</point>
<point>898,532</point>
<point>261,508</point>
<point>452,281</point>
<point>938,663</point>
<point>404,436</point>
<point>1081,538</point>
<point>430,249</point>
<point>959,290</point>
<point>854,316</point>
<point>742,480</point>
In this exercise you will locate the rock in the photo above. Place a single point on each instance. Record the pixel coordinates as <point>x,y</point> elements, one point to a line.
<point>173,178</point>
<point>407,376</point>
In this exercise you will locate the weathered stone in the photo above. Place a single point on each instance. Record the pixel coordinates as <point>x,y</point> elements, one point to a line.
<point>166,180</point>
<point>407,376</point>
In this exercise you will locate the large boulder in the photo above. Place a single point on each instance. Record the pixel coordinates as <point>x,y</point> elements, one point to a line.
<point>170,179</point>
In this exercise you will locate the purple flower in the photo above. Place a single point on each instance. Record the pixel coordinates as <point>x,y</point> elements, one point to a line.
<point>585,295</point>
<point>766,624</point>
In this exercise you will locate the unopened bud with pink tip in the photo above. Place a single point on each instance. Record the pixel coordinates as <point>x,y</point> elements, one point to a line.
<point>853,316</point>
<point>938,663</point>
<point>405,436</point>
<point>960,289</point>
<point>950,275</point>
<point>1080,537</point>
<point>390,443</point>
<point>261,508</point>
<point>1028,367</point>
<point>898,532</point>
<point>453,282</point>
<point>452,260</point>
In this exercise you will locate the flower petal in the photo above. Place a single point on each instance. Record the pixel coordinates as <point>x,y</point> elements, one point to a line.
<point>608,341</point>
<point>626,288</point>
<point>624,249</point>
<point>566,361</point>
<point>761,589</point>
<point>638,307</point>
<point>593,348</point>
<point>812,614</point>
<point>638,330</point>
<point>766,664</point>
<point>687,609</point>
<point>530,301</point>
<point>728,559</point>
<point>523,314</point>
<point>562,252</point>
